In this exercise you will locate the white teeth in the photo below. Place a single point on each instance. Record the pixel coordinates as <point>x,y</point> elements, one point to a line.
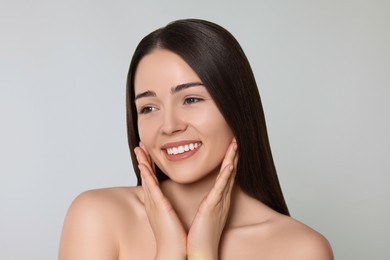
<point>183,148</point>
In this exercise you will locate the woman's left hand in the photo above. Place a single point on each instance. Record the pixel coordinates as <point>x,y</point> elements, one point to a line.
<point>209,222</point>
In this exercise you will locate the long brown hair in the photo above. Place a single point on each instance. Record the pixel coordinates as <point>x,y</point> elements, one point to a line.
<point>217,58</point>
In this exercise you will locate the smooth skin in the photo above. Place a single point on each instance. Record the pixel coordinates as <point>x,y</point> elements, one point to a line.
<point>205,231</point>
<point>199,213</point>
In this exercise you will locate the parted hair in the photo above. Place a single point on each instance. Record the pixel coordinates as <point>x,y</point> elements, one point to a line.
<point>219,61</point>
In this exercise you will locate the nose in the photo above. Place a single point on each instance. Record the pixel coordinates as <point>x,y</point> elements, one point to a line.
<point>172,122</point>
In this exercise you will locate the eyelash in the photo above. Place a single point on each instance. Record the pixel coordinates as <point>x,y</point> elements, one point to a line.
<point>147,110</point>
<point>192,100</point>
<point>187,101</point>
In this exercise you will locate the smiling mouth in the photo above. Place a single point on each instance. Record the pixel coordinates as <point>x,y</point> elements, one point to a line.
<point>183,148</point>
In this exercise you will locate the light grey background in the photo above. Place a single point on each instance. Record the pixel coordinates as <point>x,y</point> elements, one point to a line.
<point>323,71</point>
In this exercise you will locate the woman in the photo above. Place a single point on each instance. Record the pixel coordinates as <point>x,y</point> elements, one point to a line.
<point>207,184</point>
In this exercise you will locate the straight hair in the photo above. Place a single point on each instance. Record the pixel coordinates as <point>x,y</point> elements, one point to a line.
<point>219,61</point>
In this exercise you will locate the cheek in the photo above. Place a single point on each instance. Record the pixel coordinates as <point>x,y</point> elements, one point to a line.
<point>146,132</point>
<point>214,125</point>
<point>222,135</point>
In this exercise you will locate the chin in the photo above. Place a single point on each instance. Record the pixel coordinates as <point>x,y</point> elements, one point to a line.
<point>192,177</point>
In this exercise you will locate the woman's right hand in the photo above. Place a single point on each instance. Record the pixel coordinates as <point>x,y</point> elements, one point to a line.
<point>168,230</point>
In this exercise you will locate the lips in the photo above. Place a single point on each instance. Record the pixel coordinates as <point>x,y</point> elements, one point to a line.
<point>181,150</point>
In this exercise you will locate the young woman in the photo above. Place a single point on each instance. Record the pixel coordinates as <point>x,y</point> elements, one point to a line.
<point>207,184</point>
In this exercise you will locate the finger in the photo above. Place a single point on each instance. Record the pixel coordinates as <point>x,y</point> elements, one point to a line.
<point>230,183</point>
<point>229,156</point>
<point>142,158</point>
<point>142,146</point>
<point>232,177</point>
<point>225,179</point>
<point>145,177</point>
<point>154,199</point>
<point>235,162</point>
<point>150,186</point>
<point>149,158</point>
<point>221,185</point>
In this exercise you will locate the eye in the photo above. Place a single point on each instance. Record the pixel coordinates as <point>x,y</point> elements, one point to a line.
<point>147,110</point>
<point>191,100</point>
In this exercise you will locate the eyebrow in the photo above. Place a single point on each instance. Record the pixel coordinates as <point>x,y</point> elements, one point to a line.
<point>181,87</point>
<point>174,90</point>
<point>147,93</point>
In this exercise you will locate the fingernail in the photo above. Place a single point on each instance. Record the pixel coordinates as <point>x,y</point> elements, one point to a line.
<point>235,147</point>
<point>231,168</point>
<point>136,151</point>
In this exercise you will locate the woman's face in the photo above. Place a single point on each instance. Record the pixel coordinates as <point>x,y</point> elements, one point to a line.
<point>178,121</point>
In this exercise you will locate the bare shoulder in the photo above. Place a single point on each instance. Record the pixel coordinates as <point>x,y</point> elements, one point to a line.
<point>299,241</point>
<point>94,220</point>
<point>263,233</point>
<point>107,198</point>
<point>105,204</point>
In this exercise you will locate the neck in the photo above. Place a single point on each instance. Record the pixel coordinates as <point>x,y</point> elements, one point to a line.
<point>186,198</point>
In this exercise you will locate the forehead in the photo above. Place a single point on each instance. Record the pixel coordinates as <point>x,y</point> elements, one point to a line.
<point>162,68</point>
